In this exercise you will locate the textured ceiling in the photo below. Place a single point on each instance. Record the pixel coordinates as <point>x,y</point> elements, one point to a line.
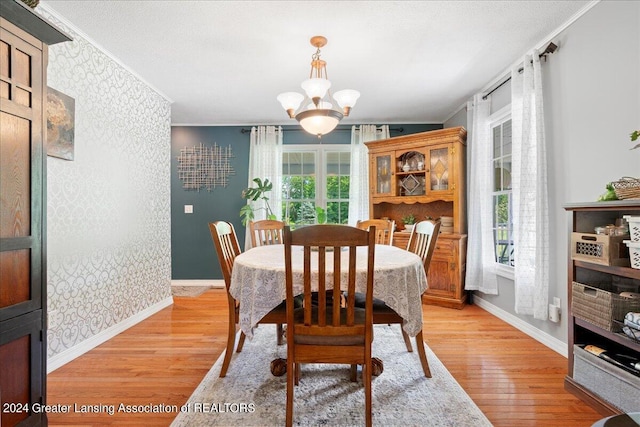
<point>224,62</point>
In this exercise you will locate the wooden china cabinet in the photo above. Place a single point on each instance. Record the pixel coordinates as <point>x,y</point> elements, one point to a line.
<point>424,174</point>
<point>24,37</point>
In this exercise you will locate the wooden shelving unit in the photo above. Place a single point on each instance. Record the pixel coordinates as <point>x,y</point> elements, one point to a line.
<point>584,217</point>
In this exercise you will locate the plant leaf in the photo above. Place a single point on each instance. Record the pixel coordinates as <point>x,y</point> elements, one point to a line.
<point>247,214</point>
<point>253,194</point>
<point>321,215</point>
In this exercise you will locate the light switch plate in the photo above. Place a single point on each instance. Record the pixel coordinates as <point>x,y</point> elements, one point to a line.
<point>188,208</point>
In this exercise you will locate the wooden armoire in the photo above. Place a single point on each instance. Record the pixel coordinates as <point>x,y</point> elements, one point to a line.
<point>24,37</point>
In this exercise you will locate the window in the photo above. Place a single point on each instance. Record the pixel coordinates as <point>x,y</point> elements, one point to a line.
<point>315,176</point>
<point>502,193</point>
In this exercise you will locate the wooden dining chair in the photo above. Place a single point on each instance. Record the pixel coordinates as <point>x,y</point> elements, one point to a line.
<point>384,229</point>
<point>227,248</point>
<point>422,242</point>
<point>328,332</point>
<point>266,232</point>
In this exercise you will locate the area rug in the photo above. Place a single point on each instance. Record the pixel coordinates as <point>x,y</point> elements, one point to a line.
<point>250,396</point>
<point>188,291</point>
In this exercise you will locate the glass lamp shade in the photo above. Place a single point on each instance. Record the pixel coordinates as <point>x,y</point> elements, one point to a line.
<point>290,100</point>
<point>346,98</point>
<point>324,105</point>
<point>316,87</point>
<point>319,121</point>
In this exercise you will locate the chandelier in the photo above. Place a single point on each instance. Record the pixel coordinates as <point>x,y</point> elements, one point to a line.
<point>318,116</point>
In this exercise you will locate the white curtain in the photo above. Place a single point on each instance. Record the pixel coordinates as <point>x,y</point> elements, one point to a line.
<point>481,261</point>
<point>530,200</point>
<point>265,162</point>
<point>359,176</point>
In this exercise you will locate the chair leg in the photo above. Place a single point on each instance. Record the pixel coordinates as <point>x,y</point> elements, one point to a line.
<point>366,378</point>
<point>407,340</point>
<point>240,342</point>
<point>423,355</point>
<point>280,334</point>
<point>291,373</point>
<point>354,373</point>
<point>231,341</point>
<point>297,373</point>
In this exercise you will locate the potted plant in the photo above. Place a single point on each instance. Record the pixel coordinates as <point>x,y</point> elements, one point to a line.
<point>247,212</point>
<point>409,221</point>
<point>634,136</point>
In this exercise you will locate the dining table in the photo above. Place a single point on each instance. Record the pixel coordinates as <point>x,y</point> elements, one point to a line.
<point>258,281</point>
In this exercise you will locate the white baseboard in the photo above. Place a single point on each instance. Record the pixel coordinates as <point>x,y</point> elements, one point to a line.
<point>69,354</point>
<point>552,342</point>
<point>214,283</point>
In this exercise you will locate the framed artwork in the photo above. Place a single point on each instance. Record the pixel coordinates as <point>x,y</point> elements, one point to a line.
<point>60,124</point>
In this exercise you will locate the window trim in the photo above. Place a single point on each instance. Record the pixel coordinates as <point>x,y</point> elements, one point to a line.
<point>320,151</point>
<point>505,271</point>
<point>499,117</point>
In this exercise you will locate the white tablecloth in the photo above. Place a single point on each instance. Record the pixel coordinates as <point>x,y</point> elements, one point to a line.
<point>258,281</point>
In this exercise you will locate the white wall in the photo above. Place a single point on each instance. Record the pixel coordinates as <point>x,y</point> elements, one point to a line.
<point>459,118</point>
<point>108,211</point>
<point>593,85</point>
<point>592,104</point>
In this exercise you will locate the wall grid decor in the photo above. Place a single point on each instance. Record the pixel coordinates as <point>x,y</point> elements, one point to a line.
<point>205,167</point>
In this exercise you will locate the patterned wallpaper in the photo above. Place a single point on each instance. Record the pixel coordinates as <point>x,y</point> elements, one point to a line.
<point>108,211</point>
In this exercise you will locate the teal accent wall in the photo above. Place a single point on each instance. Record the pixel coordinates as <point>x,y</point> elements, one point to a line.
<point>193,255</point>
<point>192,251</point>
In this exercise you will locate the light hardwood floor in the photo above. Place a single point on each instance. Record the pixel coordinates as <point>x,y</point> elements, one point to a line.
<point>515,380</point>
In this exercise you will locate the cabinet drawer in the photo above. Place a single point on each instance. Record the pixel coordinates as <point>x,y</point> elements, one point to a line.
<point>445,247</point>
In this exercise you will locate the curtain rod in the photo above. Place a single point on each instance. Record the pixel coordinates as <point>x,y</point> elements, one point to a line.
<point>550,49</point>
<point>338,128</point>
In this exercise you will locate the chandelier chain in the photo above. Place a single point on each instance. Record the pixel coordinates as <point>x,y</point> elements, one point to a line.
<point>316,55</point>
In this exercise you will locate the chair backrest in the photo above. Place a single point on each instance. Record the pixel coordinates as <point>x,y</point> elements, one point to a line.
<point>325,242</point>
<point>227,247</point>
<point>384,229</point>
<point>266,232</point>
<point>423,240</point>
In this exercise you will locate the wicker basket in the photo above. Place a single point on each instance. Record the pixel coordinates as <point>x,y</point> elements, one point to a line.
<point>31,3</point>
<point>600,307</point>
<point>627,188</point>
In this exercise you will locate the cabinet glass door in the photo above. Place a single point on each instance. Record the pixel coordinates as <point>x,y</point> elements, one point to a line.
<point>383,174</point>
<point>411,173</point>
<point>439,169</point>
